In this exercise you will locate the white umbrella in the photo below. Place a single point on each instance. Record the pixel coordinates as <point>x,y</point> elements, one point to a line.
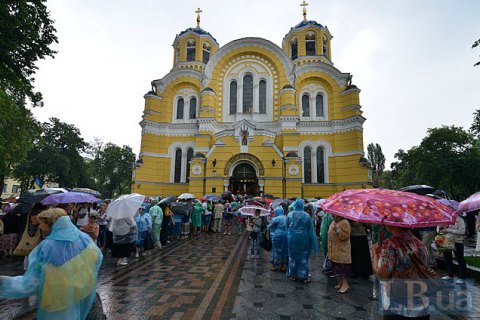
<point>250,211</point>
<point>125,206</point>
<point>186,196</point>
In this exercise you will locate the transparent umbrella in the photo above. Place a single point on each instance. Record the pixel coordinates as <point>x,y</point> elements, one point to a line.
<point>125,206</point>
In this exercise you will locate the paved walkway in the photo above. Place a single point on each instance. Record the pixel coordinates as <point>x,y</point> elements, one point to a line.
<point>210,277</point>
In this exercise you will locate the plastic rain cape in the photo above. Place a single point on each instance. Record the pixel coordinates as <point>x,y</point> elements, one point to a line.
<point>278,233</point>
<point>62,272</point>
<point>302,240</point>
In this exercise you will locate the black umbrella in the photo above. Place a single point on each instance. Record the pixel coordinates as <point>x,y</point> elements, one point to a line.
<point>182,208</point>
<point>35,196</point>
<point>88,191</point>
<point>419,189</point>
<point>168,200</point>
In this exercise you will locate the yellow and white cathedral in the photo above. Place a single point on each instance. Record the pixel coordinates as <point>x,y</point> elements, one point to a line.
<point>252,118</point>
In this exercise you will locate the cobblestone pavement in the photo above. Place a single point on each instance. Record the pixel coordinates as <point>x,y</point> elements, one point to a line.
<point>210,277</point>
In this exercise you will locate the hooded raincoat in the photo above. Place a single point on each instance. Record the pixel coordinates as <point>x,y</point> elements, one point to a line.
<point>302,241</point>
<point>278,234</point>
<point>62,272</point>
<point>196,215</point>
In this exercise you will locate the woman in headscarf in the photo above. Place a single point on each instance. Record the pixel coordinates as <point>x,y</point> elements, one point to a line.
<point>278,234</point>
<point>197,218</point>
<point>339,251</point>
<point>62,270</point>
<point>301,242</point>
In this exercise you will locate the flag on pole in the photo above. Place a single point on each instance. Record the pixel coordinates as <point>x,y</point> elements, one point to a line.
<point>37,184</point>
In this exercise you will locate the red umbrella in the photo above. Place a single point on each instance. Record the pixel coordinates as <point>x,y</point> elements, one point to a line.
<point>389,207</point>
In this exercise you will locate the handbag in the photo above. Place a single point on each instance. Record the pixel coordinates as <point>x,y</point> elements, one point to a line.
<point>2,227</point>
<point>28,242</point>
<point>444,244</point>
<point>265,241</point>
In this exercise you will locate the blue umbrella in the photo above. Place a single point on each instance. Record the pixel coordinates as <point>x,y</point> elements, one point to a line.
<point>69,197</point>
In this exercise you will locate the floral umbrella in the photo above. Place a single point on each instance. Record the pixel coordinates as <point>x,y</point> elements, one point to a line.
<point>470,204</point>
<point>389,207</point>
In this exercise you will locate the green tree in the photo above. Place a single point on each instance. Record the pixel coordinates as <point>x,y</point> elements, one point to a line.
<point>112,169</point>
<point>447,159</point>
<point>475,127</point>
<point>18,129</point>
<point>55,157</point>
<point>26,33</point>
<point>377,162</point>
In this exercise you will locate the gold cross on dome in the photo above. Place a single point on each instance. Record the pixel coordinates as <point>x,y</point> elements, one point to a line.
<point>304,5</point>
<point>198,11</point>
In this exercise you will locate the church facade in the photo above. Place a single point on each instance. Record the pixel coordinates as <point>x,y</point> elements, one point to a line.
<point>252,118</point>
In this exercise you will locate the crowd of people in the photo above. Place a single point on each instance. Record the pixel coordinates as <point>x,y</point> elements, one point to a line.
<point>294,228</point>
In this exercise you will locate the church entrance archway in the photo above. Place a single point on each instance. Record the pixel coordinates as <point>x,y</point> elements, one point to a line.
<point>244,179</point>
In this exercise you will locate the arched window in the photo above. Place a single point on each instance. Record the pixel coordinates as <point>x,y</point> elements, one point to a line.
<point>319,105</point>
<point>206,52</point>
<point>191,50</point>
<point>262,97</point>
<point>177,53</point>
<point>233,97</point>
<point>310,43</point>
<point>294,48</point>
<point>320,165</point>
<point>178,165</point>
<point>247,94</point>
<point>325,47</point>
<point>307,165</point>
<point>180,104</point>
<point>305,105</point>
<point>192,114</point>
<point>189,158</point>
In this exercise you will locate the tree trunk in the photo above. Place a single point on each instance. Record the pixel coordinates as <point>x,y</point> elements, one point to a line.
<point>2,181</point>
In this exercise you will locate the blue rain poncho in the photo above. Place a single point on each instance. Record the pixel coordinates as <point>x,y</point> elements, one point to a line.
<point>278,234</point>
<point>62,272</point>
<point>302,241</point>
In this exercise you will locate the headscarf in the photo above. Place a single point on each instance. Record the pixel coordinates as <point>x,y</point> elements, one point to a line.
<point>278,211</point>
<point>298,205</point>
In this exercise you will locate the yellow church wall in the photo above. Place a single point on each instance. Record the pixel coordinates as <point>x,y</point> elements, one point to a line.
<point>216,82</point>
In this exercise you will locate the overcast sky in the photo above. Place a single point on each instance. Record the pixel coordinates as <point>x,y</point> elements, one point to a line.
<point>412,59</point>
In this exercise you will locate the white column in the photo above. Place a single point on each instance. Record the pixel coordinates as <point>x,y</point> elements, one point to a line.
<point>239,98</point>
<point>313,162</point>
<point>183,176</point>
<point>256,94</point>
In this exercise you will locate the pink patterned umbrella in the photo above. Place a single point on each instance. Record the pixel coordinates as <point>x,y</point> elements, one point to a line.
<point>389,207</point>
<point>470,204</point>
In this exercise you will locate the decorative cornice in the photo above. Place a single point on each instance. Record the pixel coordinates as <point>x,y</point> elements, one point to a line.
<point>285,107</point>
<point>301,60</point>
<point>346,154</point>
<point>285,90</point>
<point>153,96</point>
<point>351,90</point>
<point>248,42</point>
<point>307,26</point>
<point>191,33</point>
<point>161,84</point>
<point>340,77</point>
<point>195,65</point>
<point>154,155</point>
<point>268,129</point>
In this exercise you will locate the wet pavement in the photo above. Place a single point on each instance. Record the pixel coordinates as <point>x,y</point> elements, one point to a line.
<point>211,277</point>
